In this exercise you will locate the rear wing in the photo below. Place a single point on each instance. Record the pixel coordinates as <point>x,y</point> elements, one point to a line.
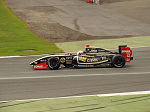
<point>126,52</point>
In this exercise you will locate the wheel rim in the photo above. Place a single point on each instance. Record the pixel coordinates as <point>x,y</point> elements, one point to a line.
<point>54,62</point>
<point>119,62</point>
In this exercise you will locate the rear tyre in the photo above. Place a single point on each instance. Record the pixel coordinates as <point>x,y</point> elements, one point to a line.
<point>118,61</point>
<point>53,63</point>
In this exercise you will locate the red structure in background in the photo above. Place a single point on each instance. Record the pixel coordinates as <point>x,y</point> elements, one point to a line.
<point>87,45</point>
<point>89,1</point>
<point>93,1</point>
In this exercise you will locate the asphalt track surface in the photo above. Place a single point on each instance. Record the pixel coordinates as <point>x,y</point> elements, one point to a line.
<point>75,20</point>
<point>19,81</point>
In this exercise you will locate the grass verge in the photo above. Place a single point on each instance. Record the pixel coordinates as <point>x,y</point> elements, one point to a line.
<point>105,43</point>
<point>132,103</point>
<point>16,39</point>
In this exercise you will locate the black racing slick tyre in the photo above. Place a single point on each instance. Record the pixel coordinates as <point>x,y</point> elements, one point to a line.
<point>53,63</point>
<point>118,61</point>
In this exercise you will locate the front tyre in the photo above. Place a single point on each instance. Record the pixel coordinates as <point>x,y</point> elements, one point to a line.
<point>118,61</point>
<point>53,63</point>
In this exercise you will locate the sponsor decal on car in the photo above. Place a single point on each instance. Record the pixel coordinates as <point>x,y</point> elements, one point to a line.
<point>92,60</point>
<point>68,58</point>
<point>62,60</point>
<point>40,66</point>
<point>127,53</point>
<point>68,61</point>
<point>83,59</point>
<point>104,58</point>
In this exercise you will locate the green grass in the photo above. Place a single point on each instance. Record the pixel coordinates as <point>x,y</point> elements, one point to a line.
<point>132,103</point>
<point>105,43</point>
<point>16,37</point>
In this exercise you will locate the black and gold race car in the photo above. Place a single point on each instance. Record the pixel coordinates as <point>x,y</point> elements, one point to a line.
<point>91,57</point>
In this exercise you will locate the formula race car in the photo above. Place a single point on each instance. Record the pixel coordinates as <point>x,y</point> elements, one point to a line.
<point>91,57</point>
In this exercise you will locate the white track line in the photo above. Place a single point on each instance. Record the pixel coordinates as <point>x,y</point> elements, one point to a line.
<point>6,57</point>
<point>10,56</point>
<point>99,95</point>
<point>126,93</point>
<point>65,76</point>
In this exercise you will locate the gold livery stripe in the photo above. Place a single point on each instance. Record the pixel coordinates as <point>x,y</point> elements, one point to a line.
<point>90,63</point>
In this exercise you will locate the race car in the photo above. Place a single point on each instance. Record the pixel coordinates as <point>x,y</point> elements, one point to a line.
<point>90,57</point>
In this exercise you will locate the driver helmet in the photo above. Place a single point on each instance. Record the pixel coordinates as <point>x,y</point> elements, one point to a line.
<point>80,53</point>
